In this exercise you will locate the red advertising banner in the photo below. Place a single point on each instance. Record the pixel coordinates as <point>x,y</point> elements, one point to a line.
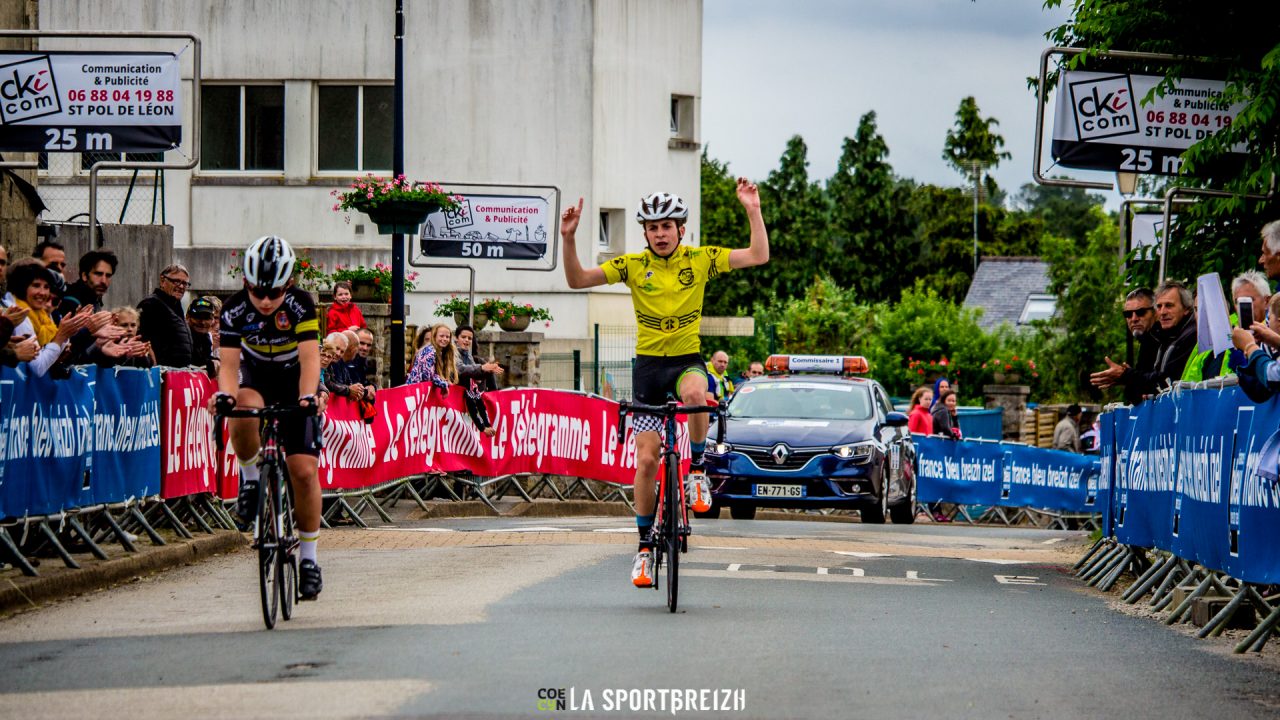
<point>186,444</point>
<point>417,429</point>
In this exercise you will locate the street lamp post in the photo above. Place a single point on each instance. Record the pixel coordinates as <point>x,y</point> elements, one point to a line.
<point>397,240</point>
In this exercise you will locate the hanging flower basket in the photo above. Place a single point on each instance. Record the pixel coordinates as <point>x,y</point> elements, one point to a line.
<point>402,217</point>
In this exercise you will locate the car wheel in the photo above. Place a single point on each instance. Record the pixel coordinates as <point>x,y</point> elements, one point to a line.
<point>742,512</point>
<point>904,513</point>
<point>874,514</point>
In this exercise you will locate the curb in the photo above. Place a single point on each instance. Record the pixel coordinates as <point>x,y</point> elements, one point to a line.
<point>28,593</point>
<point>447,509</point>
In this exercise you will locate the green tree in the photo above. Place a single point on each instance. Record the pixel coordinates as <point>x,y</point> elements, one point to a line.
<point>1241,41</point>
<point>873,247</point>
<point>795,213</point>
<point>1065,211</point>
<point>972,140</point>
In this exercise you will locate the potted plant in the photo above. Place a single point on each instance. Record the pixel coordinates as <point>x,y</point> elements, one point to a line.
<point>1011,371</point>
<point>459,308</point>
<point>515,317</point>
<point>396,205</point>
<point>370,284</point>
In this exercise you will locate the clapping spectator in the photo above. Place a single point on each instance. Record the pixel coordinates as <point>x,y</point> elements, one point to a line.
<point>162,322</point>
<point>476,379</point>
<point>140,355</point>
<point>434,362</point>
<point>921,420</point>
<point>15,348</point>
<point>946,418</point>
<point>343,313</point>
<point>30,283</point>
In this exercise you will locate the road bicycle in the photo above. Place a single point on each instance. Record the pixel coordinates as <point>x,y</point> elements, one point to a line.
<point>274,534</point>
<point>671,519</point>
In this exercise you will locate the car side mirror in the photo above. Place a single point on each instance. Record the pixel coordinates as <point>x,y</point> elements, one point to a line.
<point>895,419</point>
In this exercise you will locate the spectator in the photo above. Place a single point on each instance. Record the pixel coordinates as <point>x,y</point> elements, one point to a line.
<point>921,420</point>
<point>202,320</point>
<point>946,418</point>
<point>1177,336</point>
<point>755,369</point>
<point>96,270</point>
<point>52,255</point>
<point>359,392</point>
<point>1251,366</point>
<point>1090,438</point>
<point>1140,320</point>
<point>365,367</point>
<point>719,384</point>
<point>1066,435</point>
<point>1204,365</point>
<point>161,320</point>
<point>476,379</point>
<point>1270,258</point>
<point>15,349</point>
<point>30,283</point>
<point>126,318</point>
<point>939,386</point>
<point>333,373</point>
<point>343,313</point>
<point>434,362</point>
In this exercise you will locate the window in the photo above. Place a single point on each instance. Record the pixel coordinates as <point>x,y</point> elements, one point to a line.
<point>354,127</point>
<point>682,130</point>
<point>88,159</point>
<point>612,234</point>
<point>1038,307</point>
<point>242,127</point>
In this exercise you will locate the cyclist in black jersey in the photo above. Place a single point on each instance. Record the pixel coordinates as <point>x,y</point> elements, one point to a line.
<point>271,356</point>
<point>667,280</point>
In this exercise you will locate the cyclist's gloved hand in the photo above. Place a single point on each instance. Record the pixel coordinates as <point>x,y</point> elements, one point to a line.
<point>224,402</point>
<point>308,401</point>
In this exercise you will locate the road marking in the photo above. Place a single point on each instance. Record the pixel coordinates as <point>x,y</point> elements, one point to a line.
<point>719,547</point>
<point>615,530</point>
<point>915,575</point>
<point>531,529</point>
<point>863,555</point>
<point>998,561</point>
<point>804,577</point>
<point>822,571</point>
<point>425,529</point>
<point>1017,580</point>
<point>734,567</point>
<point>1051,541</point>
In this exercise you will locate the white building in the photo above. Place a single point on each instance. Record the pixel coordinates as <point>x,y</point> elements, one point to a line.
<point>596,97</point>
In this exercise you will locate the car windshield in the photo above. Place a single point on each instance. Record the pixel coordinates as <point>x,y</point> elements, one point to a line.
<point>801,400</point>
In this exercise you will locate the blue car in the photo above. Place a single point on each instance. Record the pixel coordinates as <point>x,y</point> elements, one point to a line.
<point>819,439</point>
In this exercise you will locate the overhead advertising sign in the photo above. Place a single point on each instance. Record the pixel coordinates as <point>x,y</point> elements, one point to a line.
<point>1100,123</point>
<point>1146,230</point>
<point>493,227</point>
<point>89,102</point>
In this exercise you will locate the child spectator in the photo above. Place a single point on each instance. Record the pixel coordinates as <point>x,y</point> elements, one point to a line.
<point>343,313</point>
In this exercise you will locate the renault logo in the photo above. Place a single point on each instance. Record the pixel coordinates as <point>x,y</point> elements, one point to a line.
<point>780,453</point>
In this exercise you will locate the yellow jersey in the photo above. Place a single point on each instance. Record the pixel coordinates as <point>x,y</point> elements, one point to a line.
<point>667,295</point>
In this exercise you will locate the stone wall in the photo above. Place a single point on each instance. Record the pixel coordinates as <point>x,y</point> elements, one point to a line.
<point>1012,400</point>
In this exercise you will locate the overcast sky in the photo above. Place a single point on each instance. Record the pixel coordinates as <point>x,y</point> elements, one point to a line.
<point>776,68</point>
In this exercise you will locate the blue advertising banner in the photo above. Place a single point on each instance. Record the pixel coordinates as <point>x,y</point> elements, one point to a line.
<point>47,440</point>
<point>1252,533</point>
<point>966,473</point>
<point>1203,467</point>
<point>1043,478</point>
<point>125,461</point>
<point>1144,511</point>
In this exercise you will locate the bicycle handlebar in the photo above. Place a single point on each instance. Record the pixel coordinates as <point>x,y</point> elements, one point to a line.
<point>671,408</point>
<point>269,412</point>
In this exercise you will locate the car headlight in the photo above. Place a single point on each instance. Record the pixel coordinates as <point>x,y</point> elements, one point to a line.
<point>857,452</point>
<point>719,448</point>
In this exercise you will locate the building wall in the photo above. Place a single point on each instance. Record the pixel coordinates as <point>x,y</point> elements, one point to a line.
<point>573,94</point>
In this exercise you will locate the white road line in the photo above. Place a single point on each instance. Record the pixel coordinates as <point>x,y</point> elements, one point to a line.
<point>615,530</point>
<point>532,529</point>
<point>998,561</point>
<point>427,529</point>
<point>859,572</point>
<point>1017,580</point>
<point>734,567</point>
<point>822,571</point>
<point>861,554</point>
<point>913,575</point>
<point>1051,541</point>
<point>718,547</point>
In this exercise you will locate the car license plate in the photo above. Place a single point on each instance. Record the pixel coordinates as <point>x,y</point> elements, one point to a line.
<point>779,491</point>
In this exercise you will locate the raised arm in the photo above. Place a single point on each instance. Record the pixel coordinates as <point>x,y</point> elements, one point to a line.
<point>758,252</point>
<point>578,276</point>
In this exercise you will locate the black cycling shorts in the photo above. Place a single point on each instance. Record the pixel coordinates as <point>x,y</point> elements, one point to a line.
<point>299,436</point>
<point>655,377</point>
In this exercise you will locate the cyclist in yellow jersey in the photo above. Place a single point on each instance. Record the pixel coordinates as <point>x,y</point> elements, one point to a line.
<point>667,280</point>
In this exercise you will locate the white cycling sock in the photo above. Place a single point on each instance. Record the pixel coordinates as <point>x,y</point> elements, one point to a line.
<point>307,546</point>
<point>248,468</point>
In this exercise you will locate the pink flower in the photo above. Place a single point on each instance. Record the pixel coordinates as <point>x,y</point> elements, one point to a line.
<point>370,195</point>
<point>336,207</point>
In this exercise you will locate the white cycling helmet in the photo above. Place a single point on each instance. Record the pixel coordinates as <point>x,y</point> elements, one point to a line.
<point>268,263</point>
<point>660,206</point>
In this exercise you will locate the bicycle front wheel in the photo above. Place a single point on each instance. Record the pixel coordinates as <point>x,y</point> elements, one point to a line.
<point>269,548</point>
<point>287,555</point>
<point>671,508</point>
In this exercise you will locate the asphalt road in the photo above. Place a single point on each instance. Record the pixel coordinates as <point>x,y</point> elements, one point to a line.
<point>473,618</point>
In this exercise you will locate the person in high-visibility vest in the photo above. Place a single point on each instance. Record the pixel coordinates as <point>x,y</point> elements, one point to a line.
<point>721,385</point>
